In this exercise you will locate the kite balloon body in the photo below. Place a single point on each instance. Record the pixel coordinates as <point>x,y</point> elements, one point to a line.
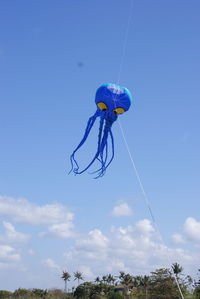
<point>111,100</point>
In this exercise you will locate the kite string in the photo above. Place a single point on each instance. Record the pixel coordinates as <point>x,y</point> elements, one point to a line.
<point>148,205</point>
<point>129,152</point>
<point>124,46</point>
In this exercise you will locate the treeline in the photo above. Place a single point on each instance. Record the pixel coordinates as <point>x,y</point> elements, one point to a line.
<point>161,284</point>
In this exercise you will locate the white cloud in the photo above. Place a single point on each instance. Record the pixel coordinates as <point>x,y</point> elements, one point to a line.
<point>95,240</point>
<point>51,264</point>
<point>8,254</point>
<point>178,239</point>
<point>144,227</point>
<point>133,248</point>
<point>21,210</point>
<point>56,217</point>
<point>59,230</point>
<point>11,235</point>
<point>122,209</point>
<point>31,252</point>
<point>191,229</point>
<point>94,245</point>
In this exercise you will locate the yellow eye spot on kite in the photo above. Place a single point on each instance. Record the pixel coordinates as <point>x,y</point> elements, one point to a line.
<point>102,106</point>
<point>119,110</point>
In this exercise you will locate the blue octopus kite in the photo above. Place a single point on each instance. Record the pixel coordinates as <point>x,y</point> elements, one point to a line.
<point>111,100</point>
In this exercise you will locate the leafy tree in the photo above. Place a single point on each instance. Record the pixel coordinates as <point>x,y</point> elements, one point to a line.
<point>96,296</point>
<point>21,293</point>
<point>162,285</point>
<point>197,286</point>
<point>39,293</point>
<point>197,292</point>
<point>5,294</point>
<point>79,276</point>
<point>93,291</point>
<point>103,289</point>
<point>57,293</point>
<point>115,295</point>
<point>85,290</point>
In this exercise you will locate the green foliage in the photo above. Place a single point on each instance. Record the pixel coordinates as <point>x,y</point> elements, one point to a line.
<point>39,293</point>
<point>56,293</point>
<point>5,294</point>
<point>126,279</point>
<point>84,290</point>
<point>197,293</point>
<point>163,285</point>
<point>22,293</point>
<point>91,290</point>
<point>115,295</point>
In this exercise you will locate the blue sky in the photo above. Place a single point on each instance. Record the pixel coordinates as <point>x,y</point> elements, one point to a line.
<point>51,221</point>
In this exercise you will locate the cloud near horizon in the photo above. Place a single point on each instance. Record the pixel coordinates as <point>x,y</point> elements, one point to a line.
<point>133,248</point>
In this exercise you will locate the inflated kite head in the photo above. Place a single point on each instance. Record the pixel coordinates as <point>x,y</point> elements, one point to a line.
<point>113,100</point>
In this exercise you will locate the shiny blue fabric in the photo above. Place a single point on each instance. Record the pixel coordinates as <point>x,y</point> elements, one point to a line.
<point>113,96</point>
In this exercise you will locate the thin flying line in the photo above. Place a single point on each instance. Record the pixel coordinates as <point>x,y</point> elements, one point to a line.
<point>148,204</point>
<point>125,42</point>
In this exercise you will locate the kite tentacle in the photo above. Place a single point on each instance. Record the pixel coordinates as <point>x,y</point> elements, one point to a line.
<point>98,147</point>
<point>102,170</point>
<point>102,159</point>
<point>89,126</point>
<point>113,148</point>
<point>104,149</point>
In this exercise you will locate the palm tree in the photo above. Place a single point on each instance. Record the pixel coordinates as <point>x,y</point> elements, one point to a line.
<point>127,279</point>
<point>121,275</point>
<point>104,278</point>
<point>110,279</point>
<point>113,279</point>
<point>78,275</point>
<point>97,280</point>
<point>177,269</point>
<point>65,276</point>
<point>144,283</point>
<point>137,281</point>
